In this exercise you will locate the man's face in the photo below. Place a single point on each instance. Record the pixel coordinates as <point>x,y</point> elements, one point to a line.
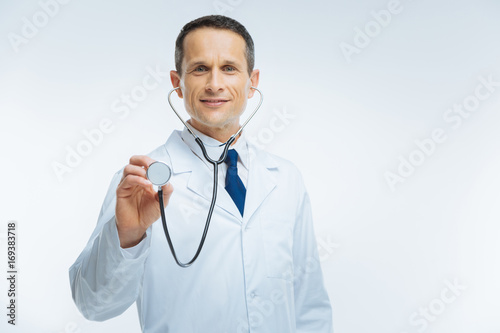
<point>214,81</point>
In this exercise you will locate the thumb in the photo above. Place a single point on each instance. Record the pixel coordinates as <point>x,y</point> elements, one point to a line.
<point>167,190</point>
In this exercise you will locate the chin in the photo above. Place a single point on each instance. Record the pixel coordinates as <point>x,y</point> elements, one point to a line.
<point>217,123</point>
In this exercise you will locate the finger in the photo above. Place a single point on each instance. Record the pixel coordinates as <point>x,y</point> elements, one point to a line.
<point>167,190</point>
<point>135,170</point>
<point>141,160</point>
<point>132,181</point>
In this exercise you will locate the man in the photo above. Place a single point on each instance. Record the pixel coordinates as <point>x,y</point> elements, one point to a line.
<point>259,269</point>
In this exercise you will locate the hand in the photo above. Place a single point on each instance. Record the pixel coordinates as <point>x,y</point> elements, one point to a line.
<point>137,205</point>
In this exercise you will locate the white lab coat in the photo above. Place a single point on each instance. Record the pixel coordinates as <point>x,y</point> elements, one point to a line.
<point>259,273</point>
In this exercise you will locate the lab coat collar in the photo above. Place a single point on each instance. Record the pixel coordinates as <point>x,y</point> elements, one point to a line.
<point>261,180</point>
<point>181,158</point>
<point>186,157</point>
<point>214,147</point>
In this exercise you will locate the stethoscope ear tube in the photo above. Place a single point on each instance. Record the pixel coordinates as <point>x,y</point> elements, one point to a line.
<point>178,115</point>
<point>190,129</point>
<point>252,114</point>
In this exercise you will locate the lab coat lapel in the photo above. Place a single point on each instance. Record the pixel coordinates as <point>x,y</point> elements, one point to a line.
<point>201,182</point>
<point>225,202</point>
<point>201,178</point>
<point>182,160</point>
<point>261,181</point>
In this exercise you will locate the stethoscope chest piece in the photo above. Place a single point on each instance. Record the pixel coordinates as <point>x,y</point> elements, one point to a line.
<point>159,173</point>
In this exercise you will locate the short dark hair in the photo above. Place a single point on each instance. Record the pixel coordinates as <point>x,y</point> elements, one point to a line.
<point>217,22</point>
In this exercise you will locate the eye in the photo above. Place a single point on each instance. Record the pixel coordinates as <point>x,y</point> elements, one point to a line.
<point>229,69</point>
<point>200,69</point>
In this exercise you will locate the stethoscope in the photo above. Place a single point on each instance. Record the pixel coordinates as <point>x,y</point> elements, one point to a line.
<point>159,174</point>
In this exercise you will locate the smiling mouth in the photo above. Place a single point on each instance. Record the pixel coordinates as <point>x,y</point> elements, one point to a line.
<point>214,102</point>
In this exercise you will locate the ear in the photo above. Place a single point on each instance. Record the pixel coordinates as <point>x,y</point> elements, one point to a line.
<point>254,78</point>
<point>176,82</point>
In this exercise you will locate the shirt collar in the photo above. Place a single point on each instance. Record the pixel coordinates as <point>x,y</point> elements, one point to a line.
<point>214,148</point>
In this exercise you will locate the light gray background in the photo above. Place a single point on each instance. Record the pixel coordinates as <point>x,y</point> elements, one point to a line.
<point>385,254</point>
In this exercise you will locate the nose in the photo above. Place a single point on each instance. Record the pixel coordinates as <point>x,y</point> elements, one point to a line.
<point>215,82</point>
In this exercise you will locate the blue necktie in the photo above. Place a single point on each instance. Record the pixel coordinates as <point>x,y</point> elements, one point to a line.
<point>234,185</point>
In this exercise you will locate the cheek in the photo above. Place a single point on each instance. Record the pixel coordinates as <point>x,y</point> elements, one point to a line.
<point>240,91</point>
<point>189,100</point>
<point>190,88</point>
<point>190,95</point>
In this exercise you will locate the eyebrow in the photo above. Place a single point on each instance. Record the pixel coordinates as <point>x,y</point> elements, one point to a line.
<point>226,62</point>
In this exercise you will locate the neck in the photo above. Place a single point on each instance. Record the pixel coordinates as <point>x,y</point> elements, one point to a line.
<point>220,134</point>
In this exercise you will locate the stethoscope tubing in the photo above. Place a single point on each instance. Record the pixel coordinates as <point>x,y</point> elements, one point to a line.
<point>215,164</point>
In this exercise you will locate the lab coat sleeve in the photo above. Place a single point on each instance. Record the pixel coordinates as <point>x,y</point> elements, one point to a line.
<point>312,305</point>
<point>106,279</point>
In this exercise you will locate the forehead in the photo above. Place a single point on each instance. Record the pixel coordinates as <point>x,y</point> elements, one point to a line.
<point>207,43</point>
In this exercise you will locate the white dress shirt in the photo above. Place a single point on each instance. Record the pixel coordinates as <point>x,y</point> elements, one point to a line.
<point>214,150</point>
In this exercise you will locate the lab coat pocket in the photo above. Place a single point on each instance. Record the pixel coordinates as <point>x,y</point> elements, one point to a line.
<point>277,239</point>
